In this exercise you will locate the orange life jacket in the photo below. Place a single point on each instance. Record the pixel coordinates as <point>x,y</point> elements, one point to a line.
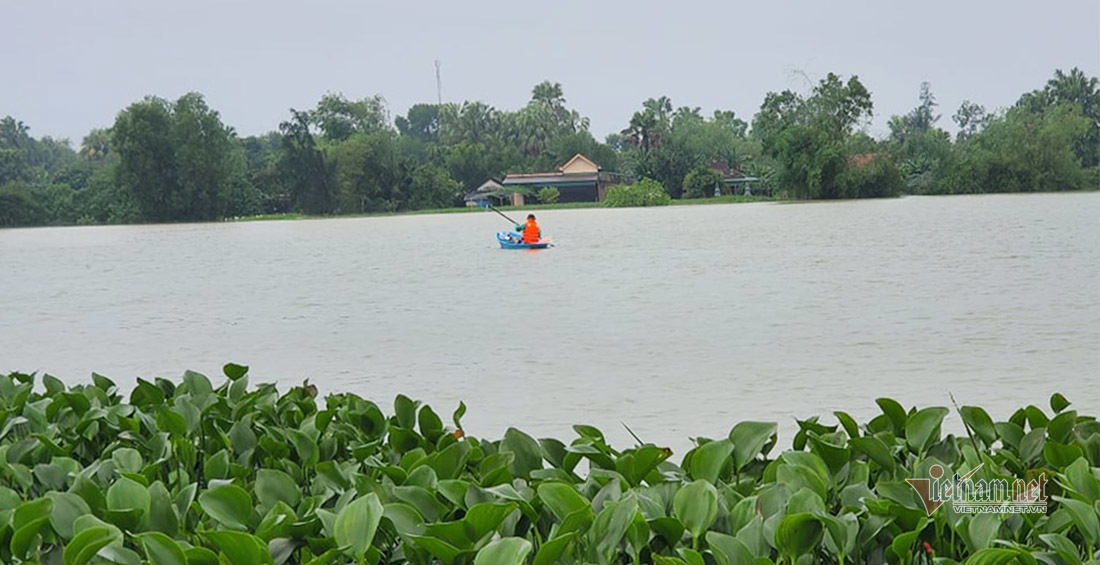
<point>531,232</point>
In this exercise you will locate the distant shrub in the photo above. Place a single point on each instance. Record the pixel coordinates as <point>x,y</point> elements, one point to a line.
<point>700,182</point>
<point>646,192</point>
<point>549,195</point>
<point>876,178</point>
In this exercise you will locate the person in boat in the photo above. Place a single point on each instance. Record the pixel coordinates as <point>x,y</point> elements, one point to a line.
<point>531,231</point>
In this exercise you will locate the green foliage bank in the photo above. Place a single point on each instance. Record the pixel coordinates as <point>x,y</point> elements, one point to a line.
<point>202,473</point>
<point>167,161</point>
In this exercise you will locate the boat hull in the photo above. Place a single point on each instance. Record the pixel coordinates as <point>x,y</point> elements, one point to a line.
<point>508,243</point>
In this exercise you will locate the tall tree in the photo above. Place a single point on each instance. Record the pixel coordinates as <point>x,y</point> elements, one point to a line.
<point>971,119</point>
<point>809,136</point>
<point>147,166</point>
<point>303,168</point>
<point>177,160</point>
<point>1077,89</point>
<point>339,118</point>
<point>420,122</point>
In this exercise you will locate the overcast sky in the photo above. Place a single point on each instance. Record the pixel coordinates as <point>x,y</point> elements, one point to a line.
<point>71,66</point>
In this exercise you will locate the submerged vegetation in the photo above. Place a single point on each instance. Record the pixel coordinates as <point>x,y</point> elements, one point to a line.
<point>174,160</point>
<point>189,473</point>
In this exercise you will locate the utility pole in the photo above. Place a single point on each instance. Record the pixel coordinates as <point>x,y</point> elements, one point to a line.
<point>438,84</point>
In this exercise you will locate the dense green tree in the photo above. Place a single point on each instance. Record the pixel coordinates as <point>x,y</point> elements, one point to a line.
<point>303,169</point>
<point>18,207</point>
<point>420,122</point>
<point>96,145</point>
<point>142,136</point>
<point>702,182</point>
<point>1023,151</point>
<point>432,187</point>
<point>970,118</point>
<point>1077,89</point>
<point>921,151</point>
<point>15,152</point>
<point>469,122</point>
<point>370,173</point>
<point>339,118</point>
<point>177,160</point>
<point>809,136</point>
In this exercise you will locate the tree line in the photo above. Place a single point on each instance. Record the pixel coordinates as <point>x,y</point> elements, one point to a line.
<point>167,161</point>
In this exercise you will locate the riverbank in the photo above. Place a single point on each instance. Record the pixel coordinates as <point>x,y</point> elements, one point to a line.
<point>730,199</point>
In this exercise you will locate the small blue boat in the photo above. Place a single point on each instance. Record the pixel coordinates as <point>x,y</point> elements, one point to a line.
<point>511,240</point>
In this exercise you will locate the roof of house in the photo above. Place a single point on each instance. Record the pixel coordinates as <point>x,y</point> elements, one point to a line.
<point>579,163</point>
<point>489,185</point>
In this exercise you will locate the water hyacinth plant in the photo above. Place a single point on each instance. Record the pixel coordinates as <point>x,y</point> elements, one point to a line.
<point>189,473</point>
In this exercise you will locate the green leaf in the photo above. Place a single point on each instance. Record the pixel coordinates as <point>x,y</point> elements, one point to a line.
<point>1031,447</point>
<point>1065,548</point>
<point>431,427</point>
<point>894,412</point>
<point>273,486</point>
<point>1011,434</point>
<point>982,530</point>
<point>128,494</point>
<point>127,460</point>
<point>749,440</point>
<point>1060,428</point>
<point>727,549</point>
<point>978,420</point>
<point>1058,455</point>
<point>239,547</point>
<point>228,504</point>
<point>1082,480</point>
<point>709,459</point>
<point>835,456</point>
<point>87,543</point>
<point>405,519</point>
<point>404,409</point>
<point>611,525</point>
<point>458,414</point>
<point>841,532</point>
<point>696,506</point>
<point>1058,402</point>
<point>1035,417</point>
<point>234,371</point>
<point>304,445</point>
<point>357,523</point>
<point>161,549</point>
<point>162,513</point>
<point>922,429</point>
<point>550,551</point>
<point>29,519</point>
<point>562,499</point>
<point>486,517</point>
<point>423,500</point>
<point>528,454</point>
<point>67,507</point>
<point>444,551</point>
<point>848,423</point>
<point>876,450</point>
<point>1084,518</point>
<point>797,534</point>
<point>197,384</point>
<point>999,557</point>
<point>504,551</point>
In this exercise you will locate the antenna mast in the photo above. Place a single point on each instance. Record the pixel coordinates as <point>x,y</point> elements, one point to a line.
<point>438,84</point>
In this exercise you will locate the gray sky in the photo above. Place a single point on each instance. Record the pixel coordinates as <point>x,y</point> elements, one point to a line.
<point>71,66</point>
